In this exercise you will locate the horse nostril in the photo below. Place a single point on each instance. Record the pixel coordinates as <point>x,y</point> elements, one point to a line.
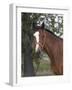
<point>39,52</point>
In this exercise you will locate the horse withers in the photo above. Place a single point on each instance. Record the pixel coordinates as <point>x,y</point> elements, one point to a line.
<point>53,45</point>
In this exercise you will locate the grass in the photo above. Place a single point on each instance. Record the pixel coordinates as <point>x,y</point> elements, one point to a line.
<point>41,66</point>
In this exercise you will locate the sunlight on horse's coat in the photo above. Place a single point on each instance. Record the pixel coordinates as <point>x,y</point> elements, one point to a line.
<point>36,35</point>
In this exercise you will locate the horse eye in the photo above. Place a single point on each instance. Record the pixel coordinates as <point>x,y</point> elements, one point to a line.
<point>33,37</point>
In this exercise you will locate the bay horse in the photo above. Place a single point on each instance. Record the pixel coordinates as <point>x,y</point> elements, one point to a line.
<point>53,45</point>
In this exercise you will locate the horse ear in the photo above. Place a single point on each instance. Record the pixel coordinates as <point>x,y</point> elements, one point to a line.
<point>42,26</point>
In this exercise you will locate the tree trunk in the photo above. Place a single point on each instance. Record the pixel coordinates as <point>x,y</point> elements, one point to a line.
<point>28,63</point>
<point>28,69</point>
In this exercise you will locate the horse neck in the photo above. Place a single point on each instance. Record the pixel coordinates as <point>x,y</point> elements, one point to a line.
<point>49,43</point>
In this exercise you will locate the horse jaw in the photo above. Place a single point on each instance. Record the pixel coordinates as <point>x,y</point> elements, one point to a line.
<point>36,35</point>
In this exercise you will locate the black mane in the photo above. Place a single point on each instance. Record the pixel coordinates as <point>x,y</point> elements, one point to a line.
<point>52,33</point>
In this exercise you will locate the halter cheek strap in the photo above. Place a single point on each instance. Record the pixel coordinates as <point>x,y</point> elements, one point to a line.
<point>40,44</point>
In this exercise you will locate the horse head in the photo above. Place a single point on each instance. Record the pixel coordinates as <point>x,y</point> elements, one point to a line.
<point>38,37</point>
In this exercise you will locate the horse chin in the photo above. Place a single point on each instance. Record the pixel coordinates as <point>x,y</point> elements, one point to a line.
<point>38,52</point>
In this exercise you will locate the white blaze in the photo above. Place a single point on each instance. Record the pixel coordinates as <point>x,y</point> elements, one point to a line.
<point>36,35</point>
